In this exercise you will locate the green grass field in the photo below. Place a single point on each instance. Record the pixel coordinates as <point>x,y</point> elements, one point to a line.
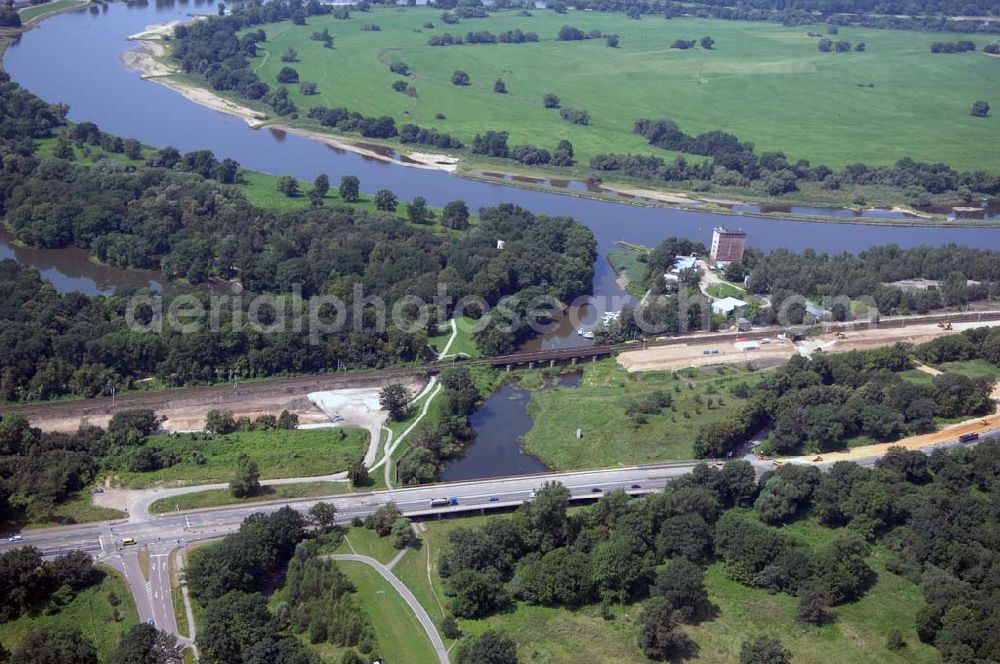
<point>38,11</point>
<point>766,83</point>
<point>90,612</point>
<point>365,542</point>
<point>400,636</point>
<point>219,497</point>
<point>554,636</point>
<point>609,439</point>
<point>78,509</point>
<point>278,454</point>
<point>464,344</point>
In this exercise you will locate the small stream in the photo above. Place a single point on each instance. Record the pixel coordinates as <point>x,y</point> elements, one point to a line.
<point>500,424</point>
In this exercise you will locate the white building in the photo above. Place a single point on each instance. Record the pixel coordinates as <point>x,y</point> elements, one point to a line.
<point>727,305</point>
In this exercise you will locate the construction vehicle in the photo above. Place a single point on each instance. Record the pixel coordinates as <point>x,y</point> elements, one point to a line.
<point>946,325</point>
<point>841,335</point>
<point>817,459</point>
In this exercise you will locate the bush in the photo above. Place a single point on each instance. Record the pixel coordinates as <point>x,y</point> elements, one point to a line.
<point>288,75</point>
<point>459,77</point>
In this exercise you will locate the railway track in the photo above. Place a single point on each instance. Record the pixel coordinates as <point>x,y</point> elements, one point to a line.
<point>223,394</point>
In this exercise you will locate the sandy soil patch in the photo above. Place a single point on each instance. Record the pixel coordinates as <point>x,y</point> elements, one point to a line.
<point>948,434</point>
<point>674,358</point>
<point>662,196</point>
<point>877,337</point>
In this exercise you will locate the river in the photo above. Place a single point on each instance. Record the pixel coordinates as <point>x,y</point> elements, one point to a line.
<point>75,58</point>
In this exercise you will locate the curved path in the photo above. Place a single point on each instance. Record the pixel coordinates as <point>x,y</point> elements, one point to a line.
<point>404,592</point>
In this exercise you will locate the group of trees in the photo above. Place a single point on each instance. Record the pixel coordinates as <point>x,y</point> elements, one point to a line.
<point>62,644</point>
<point>447,435</point>
<point>961,274</point>
<point>494,144</point>
<point>822,403</point>
<point>140,216</point>
<point>706,42</point>
<point>736,163</point>
<point>40,470</point>
<point>516,36</point>
<point>29,585</point>
<point>960,46</point>
<point>839,46</point>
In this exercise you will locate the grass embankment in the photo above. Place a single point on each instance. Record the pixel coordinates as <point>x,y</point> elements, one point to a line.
<point>90,612</point>
<point>725,290</point>
<point>630,267</point>
<point>912,102</point>
<point>554,635</point>
<point>206,459</point>
<point>464,345</point>
<point>35,13</point>
<point>77,509</point>
<point>221,497</point>
<point>365,542</point>
<point>609,438</point>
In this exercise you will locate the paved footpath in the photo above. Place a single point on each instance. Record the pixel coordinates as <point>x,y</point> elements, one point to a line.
<point>407,596</point>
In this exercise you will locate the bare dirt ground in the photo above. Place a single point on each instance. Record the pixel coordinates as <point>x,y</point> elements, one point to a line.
<point>673,358</point>
<point>947,434</point>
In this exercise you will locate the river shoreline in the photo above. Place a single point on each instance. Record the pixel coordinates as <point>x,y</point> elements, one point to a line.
<point>150,62</point>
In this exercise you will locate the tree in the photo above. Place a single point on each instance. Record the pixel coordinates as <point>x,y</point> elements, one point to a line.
<point>288,75</point>
<point>246,482</point>
<point>402,533</point>
<point>499,87</point>
<point>357,474</point>
<point>417,212</point>
<point>323,516</point>
<point>350,189</point>
<point>491,647</point>
<point>290,56</point>
<point>384,518</point>
<point>395,399</point>
<point>980,109</point>
<point>764,650</point>
<point>682,584</point>
<point>232,624</point>
<point>133,149</point>
<point>450,628</point>
<point>841,568</point>
<point>386,201</point>
<point>144,644</point>
<point>321,185</point>
<point>707,43</point>
<point>219,423</point>
<point>735,272</point>
<point>814,605</point>
<point>55,645</point>
<point>550,100</point>
<point>825,45</point>
<point>455,216</point>
<point>476,594</point>
<point>288,186</point>
<point>611,41</point>
<point>459,77</point>
<point>660,636</point>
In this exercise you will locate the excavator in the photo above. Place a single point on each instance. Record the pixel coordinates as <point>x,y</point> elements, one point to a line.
<point>946,325</point>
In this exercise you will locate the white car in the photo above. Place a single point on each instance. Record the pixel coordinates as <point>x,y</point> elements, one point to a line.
<point>533,494</point>
<point>15,538</point>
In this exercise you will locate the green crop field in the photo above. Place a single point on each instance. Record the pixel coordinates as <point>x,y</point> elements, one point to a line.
<point>278,454</point>
<point>766,83</point>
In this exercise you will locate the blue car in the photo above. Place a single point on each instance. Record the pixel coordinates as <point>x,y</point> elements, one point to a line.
<point>493,499</point>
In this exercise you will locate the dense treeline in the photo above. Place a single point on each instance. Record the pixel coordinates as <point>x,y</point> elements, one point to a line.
<point>28,584</point>
<point>229,578</point>
<point>872,273</point>
<point>56,344</point>
<point>821,404</point>
<point>446,437</point>
<point>40,470</point>
<point>515,36</point>
<point>930,513</point>
<point>735,163</point>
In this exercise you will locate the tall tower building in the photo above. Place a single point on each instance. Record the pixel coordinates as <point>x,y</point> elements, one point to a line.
<point>727,245</point>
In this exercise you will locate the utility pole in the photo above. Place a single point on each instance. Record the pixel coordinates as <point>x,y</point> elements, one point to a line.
<point>111,388</point>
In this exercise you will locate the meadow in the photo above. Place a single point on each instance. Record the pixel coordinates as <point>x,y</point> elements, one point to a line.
<point>554,635</point>
<point>609,437</point>
<point>203,459</point>
<point>766,83</point>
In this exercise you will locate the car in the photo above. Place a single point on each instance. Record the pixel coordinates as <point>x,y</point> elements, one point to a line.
<point>128,541</point>
<point>533,494</point>
<point>597,489</point>
<point>636,486</point>
<point>151,622</point>
<point>494,499</point>
<point>97,490</point>
<point>14,538</point>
